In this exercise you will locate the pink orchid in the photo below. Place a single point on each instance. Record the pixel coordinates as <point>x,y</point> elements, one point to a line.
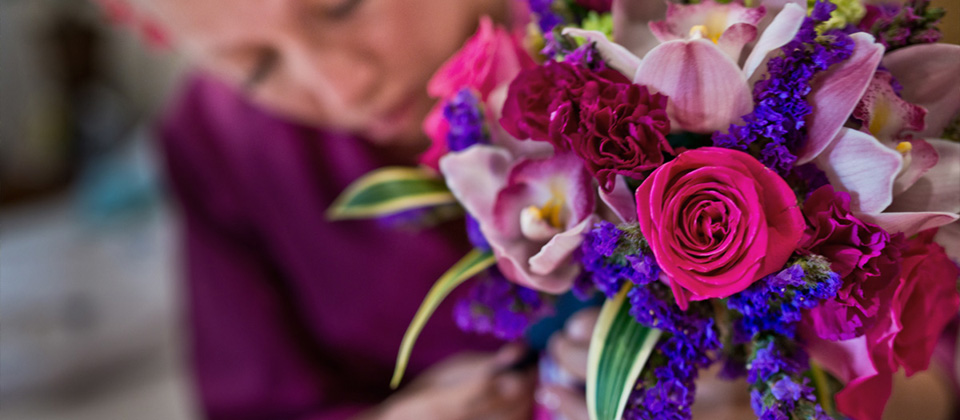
<point>533,212</point>
<point>486,63</point>
<point>901,183</point>
<point>696,62</point>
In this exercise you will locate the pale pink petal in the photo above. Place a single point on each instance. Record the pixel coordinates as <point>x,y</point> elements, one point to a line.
<point>884,114</point>
<point>630,24</point>
<point>860,165</point>
<point>710,20</point>
<point>557,252</point>
<point>475,176</point>
<point>949,237</point>
<point>615,55</point>
<point>920,159</point>
<point>928,74</point>
<point>938,190</point>
<point>735,37</point>
<point>706,90</point>
<point>512,259</point>
<point>780,31</point>
<point>836,92</point>
<point>909,223</point>
<point>621,201</point>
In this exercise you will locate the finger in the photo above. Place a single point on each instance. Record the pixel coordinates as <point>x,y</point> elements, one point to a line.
<point>570,404</point>
<point>570,355</point>
<point>580,326</point>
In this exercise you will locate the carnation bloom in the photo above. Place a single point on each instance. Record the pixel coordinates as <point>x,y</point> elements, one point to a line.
<point>717,220</point>
<point>921,303</point>
<point>864,255</point>
<point>615,126</point>
<point>486,62</point>
<point>533,212</point>
<point>901,183</point>
<point>696,63</point>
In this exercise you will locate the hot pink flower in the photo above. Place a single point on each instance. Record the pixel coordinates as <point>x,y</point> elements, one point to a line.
<point>717,220</point>
<point>615,126</point>
<point>921,303</point>
<point>488,61</point>
<point>865,256</point>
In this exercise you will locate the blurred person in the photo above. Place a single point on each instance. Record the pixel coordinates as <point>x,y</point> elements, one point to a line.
<point>292,316</point>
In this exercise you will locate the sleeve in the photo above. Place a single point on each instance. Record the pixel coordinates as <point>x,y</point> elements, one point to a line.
<point>249,353</point>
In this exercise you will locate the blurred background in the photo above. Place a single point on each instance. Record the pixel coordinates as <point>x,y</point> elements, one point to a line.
<point>89,302</point>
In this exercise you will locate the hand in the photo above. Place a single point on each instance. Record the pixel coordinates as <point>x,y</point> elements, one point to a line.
<point>569,348</point>
<point>469,386</point>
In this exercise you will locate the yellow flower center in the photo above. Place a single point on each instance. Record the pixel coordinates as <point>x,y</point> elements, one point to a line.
<point>551,211</point>
<point>904,147</point>
<point>701,31</point>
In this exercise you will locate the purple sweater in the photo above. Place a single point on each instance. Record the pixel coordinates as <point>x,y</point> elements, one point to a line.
<point>291,316</point>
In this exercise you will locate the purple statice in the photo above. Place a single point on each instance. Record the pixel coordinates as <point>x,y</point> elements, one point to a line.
<point>475,235</point>
<point>774,304</point>
<point>777,127</point>
<point>545,15</point>
<point>778,389</point>
<point>494,305</point>
<point>587,56</point>
<point>667,387</point>
<point>464,114</point>
<point>611,255</point>
<point>897,26</point>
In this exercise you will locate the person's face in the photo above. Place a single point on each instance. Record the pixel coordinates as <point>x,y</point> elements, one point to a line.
<point>354,65</point>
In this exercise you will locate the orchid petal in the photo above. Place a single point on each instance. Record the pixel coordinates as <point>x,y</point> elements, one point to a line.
<point>920,159</point>
<point>474,176</point>
<point>782,29</point>
<point>730,26</point>
<point>863,167</point>
<point>513,261</point>
<point>928,74</point>
<point>621,200</point>
<point>735,38</point>
<point>883,113</point>
<point>938,190</point>
<point>836,92</point>
<point>615,55</point>
<point>910,223</point>
<point>630,28</point>
<point>705,87</point>
<point>557,252</point>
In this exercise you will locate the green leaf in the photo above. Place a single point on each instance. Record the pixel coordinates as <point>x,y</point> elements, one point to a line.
<point>473,263</point>
<point>390,190</point>
<point>619,349</point>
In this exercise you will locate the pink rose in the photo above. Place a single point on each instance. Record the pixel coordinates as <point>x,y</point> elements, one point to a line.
<point>491,58</point>
<point>717,220</point>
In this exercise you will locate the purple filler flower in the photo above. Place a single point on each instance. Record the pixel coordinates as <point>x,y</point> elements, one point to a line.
<point>496,306</point>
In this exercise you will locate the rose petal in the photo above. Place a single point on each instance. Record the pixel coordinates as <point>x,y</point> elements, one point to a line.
<point>928,74</point>
<point>615,55</point>
<point>860,165</point>
<point>780,31</point>
<point>705,87</point>
<point>836,92</point>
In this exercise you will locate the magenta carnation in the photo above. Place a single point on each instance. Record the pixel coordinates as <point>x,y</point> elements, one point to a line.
<point>614,126</point>
<point>865,256</point>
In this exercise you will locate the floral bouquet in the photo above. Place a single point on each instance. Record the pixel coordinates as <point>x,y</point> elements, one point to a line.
<point>774,187</point>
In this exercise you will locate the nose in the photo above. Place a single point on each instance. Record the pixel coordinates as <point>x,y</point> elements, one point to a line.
<point>336,74</point>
